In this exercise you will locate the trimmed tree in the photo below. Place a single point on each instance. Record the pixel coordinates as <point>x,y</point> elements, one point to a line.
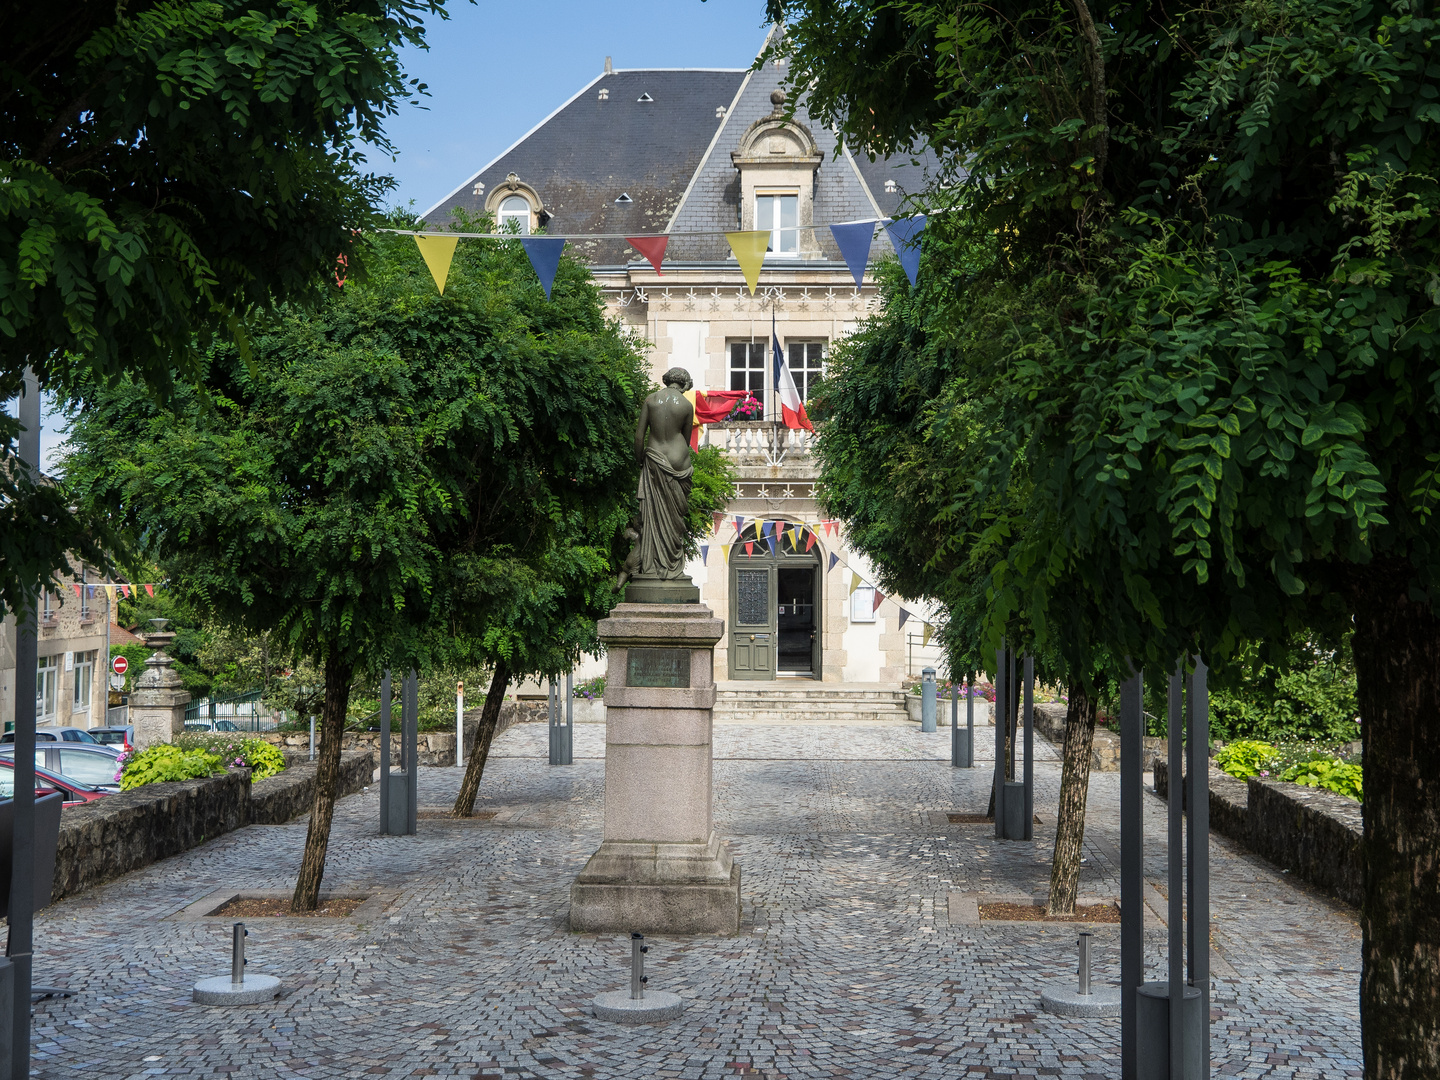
<point>374,464</point>
<point>168,168</point>
<point>1218,225</point>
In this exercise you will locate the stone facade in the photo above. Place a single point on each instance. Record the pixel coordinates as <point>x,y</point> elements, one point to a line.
<point>73,648</point>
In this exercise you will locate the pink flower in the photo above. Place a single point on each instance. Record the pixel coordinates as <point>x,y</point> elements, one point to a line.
<point>1264,772</point>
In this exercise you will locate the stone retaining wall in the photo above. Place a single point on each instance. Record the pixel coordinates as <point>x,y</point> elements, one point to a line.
<point>1104,750</point>
<point>1315,834</point>
<point>101,840</point>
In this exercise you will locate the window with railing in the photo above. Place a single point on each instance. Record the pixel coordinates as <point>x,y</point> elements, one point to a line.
<point>747,367</point>
<point>84,594</point>
<point>806,361</point>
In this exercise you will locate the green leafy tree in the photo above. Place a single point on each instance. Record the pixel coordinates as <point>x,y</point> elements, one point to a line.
<point>1217,225</point>
<point>356,488</point>
<point>166,167</point>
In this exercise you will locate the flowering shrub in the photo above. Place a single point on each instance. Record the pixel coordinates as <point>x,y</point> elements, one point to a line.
<point>747,408</point>
<point>591,689</point>
<point>157,764</point>
<point>1332,774</point>
<point>255,754</point>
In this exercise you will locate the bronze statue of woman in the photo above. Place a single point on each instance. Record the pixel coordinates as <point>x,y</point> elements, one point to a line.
<point>665,470</point>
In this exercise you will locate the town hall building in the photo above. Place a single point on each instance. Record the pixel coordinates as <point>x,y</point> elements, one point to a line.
<point>694,153</point>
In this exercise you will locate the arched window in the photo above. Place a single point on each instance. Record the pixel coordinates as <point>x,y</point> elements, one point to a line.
<point>515,208</point>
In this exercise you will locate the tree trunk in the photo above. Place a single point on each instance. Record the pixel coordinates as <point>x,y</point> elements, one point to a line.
<point>338,674</point>
<point>1074,787</point>
<point>480,752</point>
<point>1397,664</point>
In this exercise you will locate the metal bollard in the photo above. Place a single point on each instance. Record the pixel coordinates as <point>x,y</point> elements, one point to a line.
<point>1084,987</point>
<point>312,738</point>
<point>637,966</point>
<point>237,954</point>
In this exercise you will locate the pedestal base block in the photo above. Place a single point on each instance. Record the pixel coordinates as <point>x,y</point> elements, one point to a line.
<point>679,590</point>
<point>656,1006</point>
<point>1064,1000</point>
<point>221,991</point>
<point>657,889</point>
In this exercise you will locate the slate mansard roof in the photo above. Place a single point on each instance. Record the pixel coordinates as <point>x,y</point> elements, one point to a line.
<point>671,156</point>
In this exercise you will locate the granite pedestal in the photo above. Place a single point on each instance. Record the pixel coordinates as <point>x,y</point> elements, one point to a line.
<point>661,869</point>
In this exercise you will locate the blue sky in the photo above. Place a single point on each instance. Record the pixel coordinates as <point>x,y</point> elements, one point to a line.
<point>496,69</point>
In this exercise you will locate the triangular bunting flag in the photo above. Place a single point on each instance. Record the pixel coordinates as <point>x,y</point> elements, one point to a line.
<point>704,553</point>
<point>833,560</point>
<point>652,247</point>
<point>77,590</point>
<point>150,589</point>
<point>853,239</point>
<point>928,631</point>
<point>749,547</point>
<point>749,249</point>
<point>879,599</point>
<point>903,616</point>
<point>125,591</point>
<point>905,236</point>
<point>726,549</point>
<point>739,524</point>
<point>854,581</point>
<point>437,251</point>
<point>544,252</point>
<point>771,540</point>
<point>717,517</point>
<point>794,538</point>
<point>809,539</point>
<point>110,593</point>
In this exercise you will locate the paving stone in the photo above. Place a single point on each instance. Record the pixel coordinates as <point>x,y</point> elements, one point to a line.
<point>847,964</point>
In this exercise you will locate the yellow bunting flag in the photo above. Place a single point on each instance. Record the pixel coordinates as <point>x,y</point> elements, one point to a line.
<point>854,581</point>
<point>727,554</point>
<point>437,251</point>
<point>110,593</point>
<point>794,538</point>
<point>749,249</point>
<point>928,631</point>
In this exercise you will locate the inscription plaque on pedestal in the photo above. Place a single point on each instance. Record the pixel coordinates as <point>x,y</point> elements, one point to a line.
<point>658,667</point>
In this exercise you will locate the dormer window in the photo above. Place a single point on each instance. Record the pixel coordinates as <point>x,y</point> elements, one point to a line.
<point>890,187</point>
<point>719,112</point>
<point>604,93</point>
<point>624,198</point>
<point>514,215</point>
<point>478,189</point>
<point>645,97</point>
<point>779,212</point>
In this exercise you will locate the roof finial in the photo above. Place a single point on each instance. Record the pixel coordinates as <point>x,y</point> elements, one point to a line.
<point>777,99</point>
<point>609,68</point>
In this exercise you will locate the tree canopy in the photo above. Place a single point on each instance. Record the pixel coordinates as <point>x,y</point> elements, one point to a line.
<point>168,168</point>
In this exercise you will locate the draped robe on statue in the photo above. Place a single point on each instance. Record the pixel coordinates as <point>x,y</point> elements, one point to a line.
<point>664,502</point>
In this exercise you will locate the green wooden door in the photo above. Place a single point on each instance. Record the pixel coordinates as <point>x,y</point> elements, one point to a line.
<point>752,617</point>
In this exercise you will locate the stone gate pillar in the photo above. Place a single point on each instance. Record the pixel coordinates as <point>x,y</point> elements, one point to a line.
<point>157,704</point>
<point>661,868</point>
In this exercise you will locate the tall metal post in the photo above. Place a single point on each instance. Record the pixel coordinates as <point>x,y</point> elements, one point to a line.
<point>970,718</point>
<point>954,724</point>
<point>1001,721</point>
<point>568,747</point>
<point>1197,703</point>
<point>412,756</point>
<point>1029,747</point>
<point>1175,726</point>
<point>385,754</point>
<point>1132,854</point>
<point>22,845</point>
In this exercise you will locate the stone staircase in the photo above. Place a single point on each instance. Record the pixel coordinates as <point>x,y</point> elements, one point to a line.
<point>803,701</point>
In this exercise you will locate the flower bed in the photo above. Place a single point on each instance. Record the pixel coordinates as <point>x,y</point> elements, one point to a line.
<point>1308,764</point>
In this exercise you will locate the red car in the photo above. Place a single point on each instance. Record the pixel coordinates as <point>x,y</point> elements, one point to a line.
<point>46,781</point>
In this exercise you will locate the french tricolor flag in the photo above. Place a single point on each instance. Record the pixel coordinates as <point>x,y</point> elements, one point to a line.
<point>792,409</point>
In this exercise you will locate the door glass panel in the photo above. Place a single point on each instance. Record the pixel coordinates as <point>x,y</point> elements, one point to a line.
<point>752,588</point>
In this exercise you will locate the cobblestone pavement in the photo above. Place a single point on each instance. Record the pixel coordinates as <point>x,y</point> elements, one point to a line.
<point>847,964</point>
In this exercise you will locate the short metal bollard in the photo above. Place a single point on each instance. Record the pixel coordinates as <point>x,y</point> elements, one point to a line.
<point>637,966</point>
<point>237,954</point>
<point>635,1006</point>
<point>1084,1000</point>
<point>312,738</point>
<point>237,988</point>
<point>927,699</point>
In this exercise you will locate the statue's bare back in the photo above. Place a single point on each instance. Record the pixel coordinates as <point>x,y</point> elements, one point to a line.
<point>669,416</point>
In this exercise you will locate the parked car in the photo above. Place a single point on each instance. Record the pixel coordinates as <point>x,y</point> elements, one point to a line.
<point>93,766</point>
<point>76,793</point>
<point>123,738</point>
<point>47,733</point>
<point>212,725</point>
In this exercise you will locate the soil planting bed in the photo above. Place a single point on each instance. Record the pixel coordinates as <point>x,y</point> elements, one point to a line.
<point>445,815</point>
<point>243,907</point>
<point>1094,913</point>
<point>977,819</point>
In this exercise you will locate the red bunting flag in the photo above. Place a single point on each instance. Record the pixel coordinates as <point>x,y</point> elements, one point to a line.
<point>717,517</point>
<point>150,589</point>
<point>749,547</point>
<point>652,247</point>
<point>809,539</point>
<point>879,599</point>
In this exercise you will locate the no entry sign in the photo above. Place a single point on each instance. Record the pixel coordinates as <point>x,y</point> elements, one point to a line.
<point>121,665</point>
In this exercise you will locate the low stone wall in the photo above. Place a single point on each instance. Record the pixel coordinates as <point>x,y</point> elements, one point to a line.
<point>1104,749</point>
<point>287,795</point>
<point>1315,834</point>
<point>433,748</point>
<point>101,840</point>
